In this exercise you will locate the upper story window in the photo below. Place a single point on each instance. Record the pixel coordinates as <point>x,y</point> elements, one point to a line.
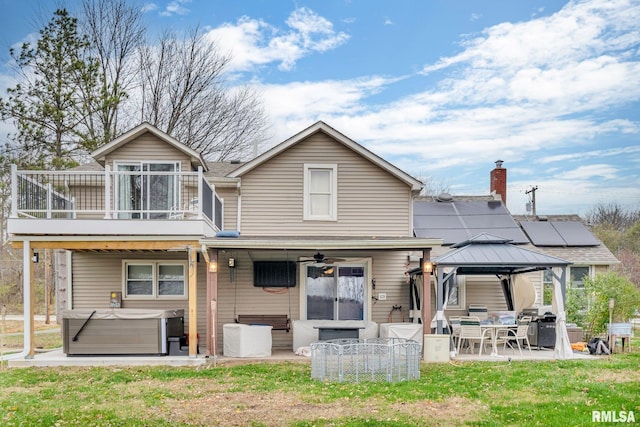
<point>320,192</point>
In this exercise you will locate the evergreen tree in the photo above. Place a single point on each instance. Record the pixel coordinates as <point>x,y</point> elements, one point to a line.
<point>53,97</point>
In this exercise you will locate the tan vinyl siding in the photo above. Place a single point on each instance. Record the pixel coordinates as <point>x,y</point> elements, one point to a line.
<point>95,275</point>
<point>485,290</point>
<point>230,197</point>
<point>370,200</point>
<point>147,147</point>
<point>237,295</point>
<point>389,271</point>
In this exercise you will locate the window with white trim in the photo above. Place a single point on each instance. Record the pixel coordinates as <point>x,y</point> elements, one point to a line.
<point>547,287</point>
<point>155,279</point>
<point>320,192</point>
<point>456,292</point>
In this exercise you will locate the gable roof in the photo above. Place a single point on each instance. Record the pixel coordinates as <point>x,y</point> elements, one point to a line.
<point>320,126</point>
<point>125,138</point>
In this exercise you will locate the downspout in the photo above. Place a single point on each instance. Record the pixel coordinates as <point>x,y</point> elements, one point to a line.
<point>26,311</point>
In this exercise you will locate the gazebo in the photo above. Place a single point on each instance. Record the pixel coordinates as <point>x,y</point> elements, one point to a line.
<point>486,254</point>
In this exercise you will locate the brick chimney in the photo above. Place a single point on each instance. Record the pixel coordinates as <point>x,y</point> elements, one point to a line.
<point>498,177</point>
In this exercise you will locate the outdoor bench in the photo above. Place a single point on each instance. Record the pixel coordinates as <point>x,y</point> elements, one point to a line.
<point>279,322</point>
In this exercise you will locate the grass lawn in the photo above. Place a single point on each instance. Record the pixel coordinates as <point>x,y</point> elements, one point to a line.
<point>47,336</point>
<point>555,393</point>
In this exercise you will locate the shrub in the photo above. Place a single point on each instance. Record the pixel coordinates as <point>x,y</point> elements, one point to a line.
<point>598,291</point>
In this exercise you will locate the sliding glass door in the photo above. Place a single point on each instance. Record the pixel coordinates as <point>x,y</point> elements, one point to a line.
<point>146,190</point>
<point>335,292</point>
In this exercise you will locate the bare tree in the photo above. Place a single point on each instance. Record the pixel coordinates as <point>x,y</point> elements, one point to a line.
<point>612,214</point>
<point>116,32</point>
<point>184,93</point>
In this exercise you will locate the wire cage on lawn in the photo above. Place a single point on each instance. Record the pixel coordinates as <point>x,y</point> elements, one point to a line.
<point>359,360</point>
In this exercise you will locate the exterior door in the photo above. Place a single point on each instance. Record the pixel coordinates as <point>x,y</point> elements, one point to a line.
<point>335,292</point>
<point>146,190</point>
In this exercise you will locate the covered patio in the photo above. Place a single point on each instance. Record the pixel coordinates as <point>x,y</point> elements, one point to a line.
<point>486,254</point>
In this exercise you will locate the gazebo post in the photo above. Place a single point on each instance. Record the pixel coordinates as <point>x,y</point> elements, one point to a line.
<point>440,300</point>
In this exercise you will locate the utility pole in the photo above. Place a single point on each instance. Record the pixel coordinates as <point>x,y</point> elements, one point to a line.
<point>533,198</point>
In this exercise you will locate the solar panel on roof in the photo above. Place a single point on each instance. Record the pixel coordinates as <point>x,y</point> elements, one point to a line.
<point>455,222</point>
<point>448,236</point>
<point>542,233</point>
<point>442,221</point>
<point>481,208</point>
<point>559,233</point>
<point>575,233</point>
<point>487,221</point>
<point>514,234</point>
<point>433,208</point>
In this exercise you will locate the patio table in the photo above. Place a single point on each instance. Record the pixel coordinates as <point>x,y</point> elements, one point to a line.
<point>494,328</point>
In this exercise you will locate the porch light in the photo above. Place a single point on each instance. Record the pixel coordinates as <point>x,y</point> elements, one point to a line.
<point>427,267</point>
<point>35,258</point>
<point>213,267</point>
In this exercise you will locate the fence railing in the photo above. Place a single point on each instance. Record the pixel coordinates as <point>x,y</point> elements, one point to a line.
<point>109,194</point>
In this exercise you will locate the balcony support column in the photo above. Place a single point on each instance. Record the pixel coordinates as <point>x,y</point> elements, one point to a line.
<point>193,301</point>
<point>14,191</point>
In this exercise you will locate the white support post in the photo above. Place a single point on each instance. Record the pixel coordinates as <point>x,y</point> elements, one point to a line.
<point>107,192</point>
<point>49,200</point>
<point>14,191</point>
<point>27,310</point>
<point>200,191</point>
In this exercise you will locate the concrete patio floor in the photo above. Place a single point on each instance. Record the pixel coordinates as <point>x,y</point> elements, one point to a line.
<point>58,358</point>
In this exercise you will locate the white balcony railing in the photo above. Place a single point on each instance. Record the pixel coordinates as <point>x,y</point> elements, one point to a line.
<point>108,194</point>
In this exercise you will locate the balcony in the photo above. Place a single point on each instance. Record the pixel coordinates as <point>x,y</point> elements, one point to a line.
<point>113,202</point>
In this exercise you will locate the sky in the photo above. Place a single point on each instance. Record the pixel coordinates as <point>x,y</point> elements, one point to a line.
<point>441,89</point>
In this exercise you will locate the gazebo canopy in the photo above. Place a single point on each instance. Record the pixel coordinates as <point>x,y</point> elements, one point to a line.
<point>488,254</point>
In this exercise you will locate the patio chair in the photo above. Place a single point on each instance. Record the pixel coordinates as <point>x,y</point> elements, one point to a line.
<point>508,336</point>
<point>479,311</point>
<point>471,333</point>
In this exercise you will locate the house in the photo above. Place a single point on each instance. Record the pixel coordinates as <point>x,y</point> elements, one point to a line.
<point>318,227</point>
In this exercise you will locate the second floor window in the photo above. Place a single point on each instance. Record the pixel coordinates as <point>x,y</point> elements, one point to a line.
<point>320,192</point>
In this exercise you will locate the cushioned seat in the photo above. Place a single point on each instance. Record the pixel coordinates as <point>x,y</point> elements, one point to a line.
<point>246,340</point>
<point>408,331</point>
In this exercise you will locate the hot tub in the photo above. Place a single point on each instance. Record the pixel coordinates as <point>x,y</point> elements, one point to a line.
<point>119,331</point>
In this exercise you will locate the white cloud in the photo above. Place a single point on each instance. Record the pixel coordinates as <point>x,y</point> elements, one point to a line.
<point>253,42</point>
<point>590,171</point>
<point>387,21</point>
<point>517,91</point>
<point>176,7</point>
<point>149,7</point>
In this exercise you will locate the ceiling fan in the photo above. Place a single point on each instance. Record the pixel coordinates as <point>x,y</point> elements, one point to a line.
<point>319,258</point>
